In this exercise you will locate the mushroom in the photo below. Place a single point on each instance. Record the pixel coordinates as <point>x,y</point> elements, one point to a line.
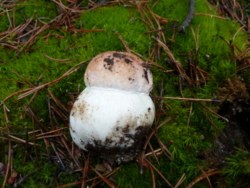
<point>113,114</point>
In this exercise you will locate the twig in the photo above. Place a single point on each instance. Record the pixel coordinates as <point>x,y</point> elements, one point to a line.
<point>57,60</point>
<point>57,155</point>
<point>29,91</point>
<point>5,111</point>
<point>85,171</point>
<point>178,66</point>
<point>8,164</point>
<point>190,113</point>
<point>163,146</point>
<point>125,44</point>
<point>108,174</point>
<point>69,151</point>
<point>12,95</point>
<point>216,114</point>
<point>107,181</point>
<point>210,172</point>
<point>152,176</point>
<point>211,15</point>
<point>49,136</point>
<point>189,16</point>
<point>156,152</point>
<point>180,181</point>
<point>50,132</point>
<point>190,99</point>
<point>22,140</point>
<point>158,172</point>
<point>58,103</point>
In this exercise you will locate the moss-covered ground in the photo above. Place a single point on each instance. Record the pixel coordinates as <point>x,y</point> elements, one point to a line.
<point>186,129</point>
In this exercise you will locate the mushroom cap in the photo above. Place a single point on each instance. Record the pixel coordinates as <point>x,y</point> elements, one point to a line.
<point>119,70</point>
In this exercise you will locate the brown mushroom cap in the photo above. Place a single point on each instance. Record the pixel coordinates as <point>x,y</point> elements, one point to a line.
<point>119,70</point>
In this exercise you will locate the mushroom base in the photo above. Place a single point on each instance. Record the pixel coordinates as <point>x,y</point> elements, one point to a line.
<point>110,118</point>
<point>117,155</point>
<point>111,123</point>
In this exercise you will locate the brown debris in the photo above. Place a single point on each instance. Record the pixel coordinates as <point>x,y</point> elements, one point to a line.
<point>23,36</point>
<point>54,133</point>
<point>234,10</point>
<point>232,90</point>
<point>204,176</point>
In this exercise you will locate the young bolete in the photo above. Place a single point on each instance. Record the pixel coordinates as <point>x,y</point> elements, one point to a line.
<point>112,115</point>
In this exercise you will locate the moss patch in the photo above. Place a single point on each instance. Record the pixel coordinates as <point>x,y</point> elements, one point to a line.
<point>207,44</point>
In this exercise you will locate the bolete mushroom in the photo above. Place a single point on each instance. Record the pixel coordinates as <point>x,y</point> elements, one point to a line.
<point>114,112</point>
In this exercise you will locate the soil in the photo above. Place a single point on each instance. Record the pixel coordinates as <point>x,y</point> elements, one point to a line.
<point>236,134</point>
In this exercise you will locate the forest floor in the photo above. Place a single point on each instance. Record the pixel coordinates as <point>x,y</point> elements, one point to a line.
<point>200,59</point>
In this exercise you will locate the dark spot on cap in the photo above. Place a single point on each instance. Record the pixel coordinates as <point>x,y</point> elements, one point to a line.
<point>149,109</point>
<point>145,74</point>
<point>109,63</point>
<point>109,60</point>
<point>145,65</point>
<point>128,61</point>
<point>119,55</point>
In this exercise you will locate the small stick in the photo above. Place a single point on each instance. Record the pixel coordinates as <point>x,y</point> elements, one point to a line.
<point>156,152</point>
<point>50,132</point>
<point>57,60</point>
<point>22,140</point>
<point>57,155</point>
<point>69,151</point>
<point>189,17</point>
<point>160,174</point>
<point>107,181</point>
<point>125,44</point>
<point>29,91</point>
<point>49,136</point>
<point>85,171</point>
<point>180,181</point>
<point>152,175</point>
<point>210,172</point>
<point>190,99</point>
<point>108,174</point>
<point>153,152</point>
<point>8,164</point>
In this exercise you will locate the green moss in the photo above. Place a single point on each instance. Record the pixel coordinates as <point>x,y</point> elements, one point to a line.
<point>212,33</point>
<point>130,176</point>
<point>123,21</point>
<point>185,144</point>
<point>238,168</point>
<point>174,11</point>
<point>187,135</point>
<point>36,9</point>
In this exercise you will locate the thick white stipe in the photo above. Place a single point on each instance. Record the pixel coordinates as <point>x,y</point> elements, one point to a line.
<point>101,114</point>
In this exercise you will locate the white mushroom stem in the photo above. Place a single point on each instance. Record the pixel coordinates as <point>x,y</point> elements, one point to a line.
<point>109,115</point>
